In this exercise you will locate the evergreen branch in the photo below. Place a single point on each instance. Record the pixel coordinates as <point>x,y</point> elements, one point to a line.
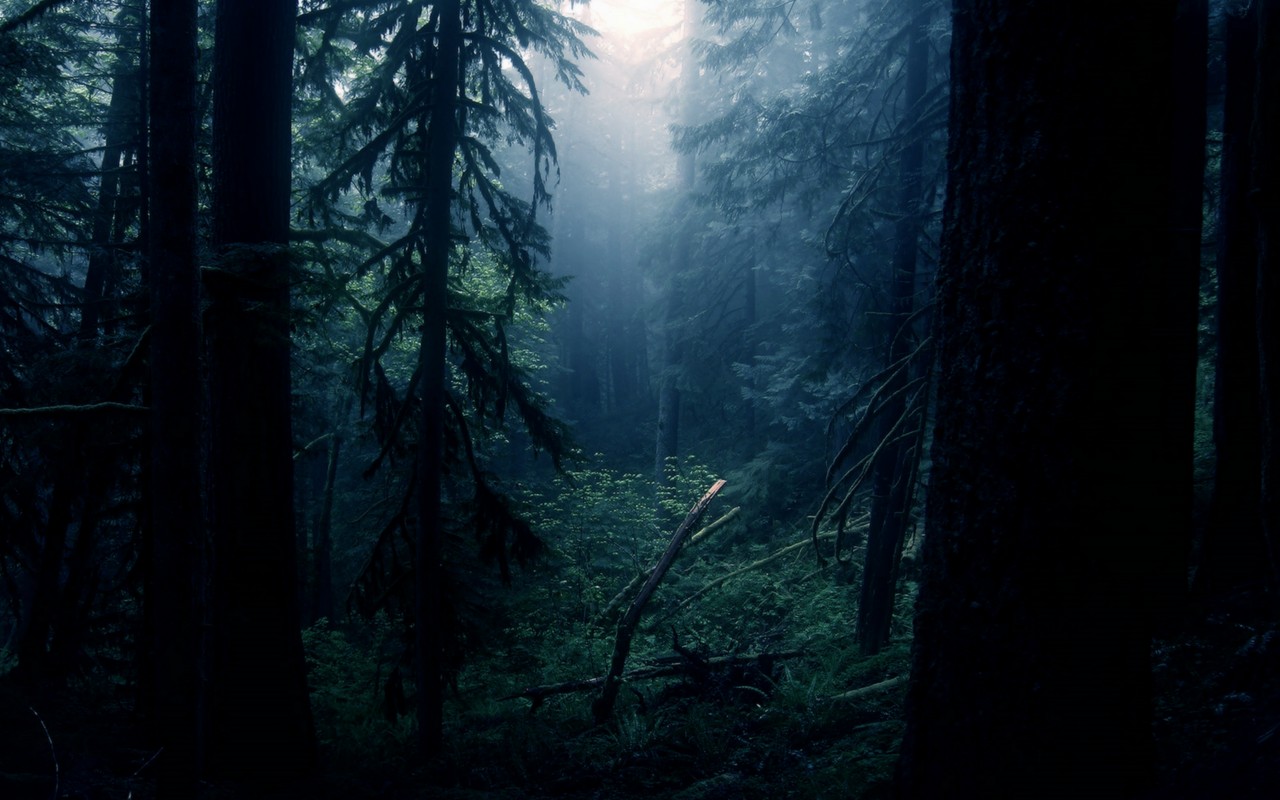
<point>39,9</point>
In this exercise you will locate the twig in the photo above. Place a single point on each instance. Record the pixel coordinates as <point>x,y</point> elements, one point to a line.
<point>53,750</point>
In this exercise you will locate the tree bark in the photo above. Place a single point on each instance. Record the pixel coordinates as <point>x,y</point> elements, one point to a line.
<point>176,447</point>
<point>1031,673</point>
<point>261,713</point>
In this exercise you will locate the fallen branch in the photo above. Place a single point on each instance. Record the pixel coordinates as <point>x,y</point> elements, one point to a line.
<point>72,409</point>
<point>729,516</point>
<point>609,612</point>
<point>665,668</point>
<point>854,694</point>
<point>767,560</point>
<point>603,706</point>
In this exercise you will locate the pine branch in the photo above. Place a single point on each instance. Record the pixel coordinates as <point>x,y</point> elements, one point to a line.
<point>39,9</point>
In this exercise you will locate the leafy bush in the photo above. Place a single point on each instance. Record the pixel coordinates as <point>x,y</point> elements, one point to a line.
<point>348,681</point>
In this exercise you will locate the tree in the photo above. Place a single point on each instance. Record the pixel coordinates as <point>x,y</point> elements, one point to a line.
<point>1265,191</point>
<point>1030,672</point>
<point>177,448</point>
<point>900,423</point>
<point>420,132</point>
<point>442,134</point>
<point>667,445</point>
<point>1178,298</point>
<point>47,205</point>
<point>1234,553</point>
<point>261,724</point>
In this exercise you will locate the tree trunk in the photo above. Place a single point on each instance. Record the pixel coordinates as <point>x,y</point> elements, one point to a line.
<point>1266,195</point>
<point>1234,553</point>
<point>1031,674</point>
<point>261,714</point>
<point>117,133</point>
<point>176,447</point>
<point>322,601</point>
<point>442,142</point>
<point>893,475</point>
<point>1178,323</point>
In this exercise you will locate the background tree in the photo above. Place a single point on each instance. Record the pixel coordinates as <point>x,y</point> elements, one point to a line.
<point>899,428</point>
<point>1031,671</point>
<point>66,527</point>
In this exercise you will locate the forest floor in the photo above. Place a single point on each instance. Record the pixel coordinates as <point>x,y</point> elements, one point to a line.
<point>1217,735</point>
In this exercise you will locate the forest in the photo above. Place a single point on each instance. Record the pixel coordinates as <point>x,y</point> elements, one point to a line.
<point>699,399</point>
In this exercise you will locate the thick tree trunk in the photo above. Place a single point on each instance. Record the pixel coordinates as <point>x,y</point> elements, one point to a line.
<point>442,144</point>
<point>261,714</point>
<point>176,447</point>
<point>1031,667</point>
<point>1266,195</point>
<point>1234,555</point>
<point>893,475</point>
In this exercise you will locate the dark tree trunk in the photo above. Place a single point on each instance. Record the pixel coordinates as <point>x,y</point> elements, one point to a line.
<point>176,512</point>
<point>1266,194</point>
<point>442,142</point>
<point>33,638</point>
<point>668,442</point>
<point>322,599</point>
<point>1031,670</point>
<point>1234,554</point>
<point>261,715</point>
<point>893,474</point>
<point>1178,322</point>
<point>118,133</point>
